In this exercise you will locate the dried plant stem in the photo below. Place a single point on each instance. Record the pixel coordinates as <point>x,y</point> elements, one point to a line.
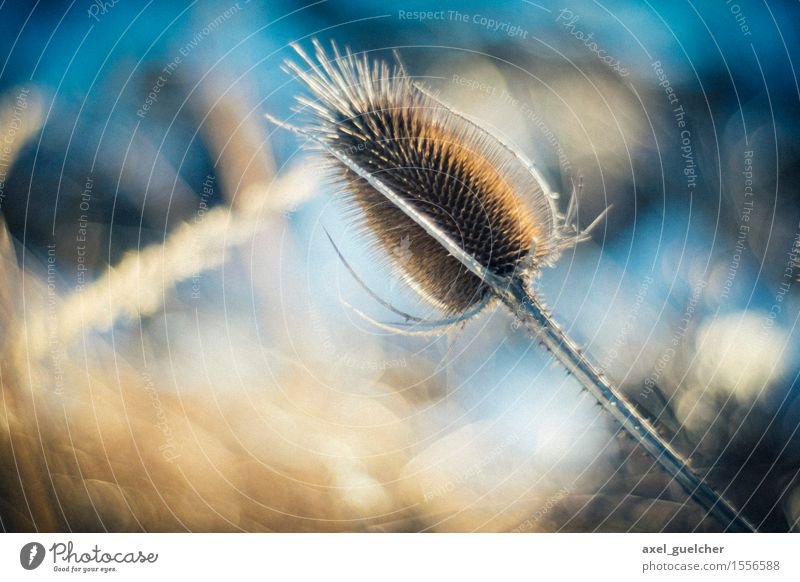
<point>530,310</point>
<point>538,320</point>
<point>514,293</point>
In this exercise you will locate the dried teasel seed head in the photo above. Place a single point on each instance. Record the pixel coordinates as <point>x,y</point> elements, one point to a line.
<point>473,219</point>
<point>475,189</point>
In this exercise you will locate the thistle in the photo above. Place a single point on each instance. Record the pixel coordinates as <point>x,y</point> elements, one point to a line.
<point>481,219</point>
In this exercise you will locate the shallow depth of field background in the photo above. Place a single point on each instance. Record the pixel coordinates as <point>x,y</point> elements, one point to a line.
<point>176,347</point>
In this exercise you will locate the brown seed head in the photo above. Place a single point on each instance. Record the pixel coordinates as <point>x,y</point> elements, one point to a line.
<point>458,175</point>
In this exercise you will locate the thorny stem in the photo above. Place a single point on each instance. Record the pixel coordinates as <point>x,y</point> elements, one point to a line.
<point>538,320</point>
<point>534,314</point>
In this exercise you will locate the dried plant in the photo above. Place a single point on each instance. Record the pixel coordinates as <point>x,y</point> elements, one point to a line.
<point>136,287</point>
<point>481,218</point>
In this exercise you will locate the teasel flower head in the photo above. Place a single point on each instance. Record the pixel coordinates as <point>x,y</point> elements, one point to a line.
<point>487,198</point>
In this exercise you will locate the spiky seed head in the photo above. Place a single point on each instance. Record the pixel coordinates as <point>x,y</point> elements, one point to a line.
<point>454,172</point>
